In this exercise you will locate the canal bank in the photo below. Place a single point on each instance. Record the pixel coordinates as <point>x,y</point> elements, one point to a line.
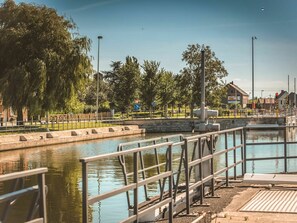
<point>188,125</point>
<point>29,140</point>
<point>130,127</point>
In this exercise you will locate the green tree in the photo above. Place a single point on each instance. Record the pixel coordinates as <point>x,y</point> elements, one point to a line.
<point>183,91</point>
<point>150,83</point>
<point>214,74</point>
<point>90,95</point>
<point>42,63</point>
<point>124,79</point>
<point>112,79</point>
<point>166,91</point>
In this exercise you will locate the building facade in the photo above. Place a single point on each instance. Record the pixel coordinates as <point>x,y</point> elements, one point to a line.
<point>282,100</point>
<point>236,96</point>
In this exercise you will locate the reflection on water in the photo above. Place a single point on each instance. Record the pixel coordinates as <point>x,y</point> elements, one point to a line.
<point>64,176</point>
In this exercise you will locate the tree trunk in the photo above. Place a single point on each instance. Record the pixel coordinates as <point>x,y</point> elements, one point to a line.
<point>166,111</point>
<point>20,120</point>
<point>192,109</point>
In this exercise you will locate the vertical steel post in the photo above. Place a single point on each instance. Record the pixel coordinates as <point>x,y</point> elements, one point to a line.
<point>98,76</point>
<point>234,154</point>
<point>203,84</point>
<point>200,172</point>
<point>143,172</point>
<point>42,198</point>
<point>253,81</point>
<point>244,149</point>
<point>135,177</point>
<point>170,217</point>
<point>285,150</point>
<point>187,177</point>
<point>157,163</point>
<point>241,151</point>
<point>226,159</point>
<point>84,192</point>
<point>212,165</point>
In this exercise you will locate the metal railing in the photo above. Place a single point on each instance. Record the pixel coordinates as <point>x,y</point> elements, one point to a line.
<point>56,123</point>
<point>283,145</point>
<point>37,210</point>
<point>157,166</point>
<point>203,151</point>
<point>195,156</point>
<point>137,212</point>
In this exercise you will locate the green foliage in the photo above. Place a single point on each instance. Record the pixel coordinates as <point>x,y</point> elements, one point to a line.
<point>42,64</point>
<point>191,76</point>
<point>124,83</point>
<point>90,93</point>
<point>150,83</point>
<point>167,89</point>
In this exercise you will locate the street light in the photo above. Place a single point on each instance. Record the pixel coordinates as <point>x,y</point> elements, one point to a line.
<point>98,75</point>
<point>253,87</point>
<point>262,93</point>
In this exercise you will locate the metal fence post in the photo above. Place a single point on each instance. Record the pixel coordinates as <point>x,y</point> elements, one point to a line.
<point>226,159</point>
<point>170,217</point>
<point>285,150</point>
<point>84,192</point>
<point>135,177</point>
<point>187,177</point>
<point>234,155</point>
<point>212,165</point>
<point>42,199</point>
<point>244,150</point>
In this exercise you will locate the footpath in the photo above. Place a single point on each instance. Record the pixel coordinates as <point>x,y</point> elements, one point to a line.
<point>37,139</point>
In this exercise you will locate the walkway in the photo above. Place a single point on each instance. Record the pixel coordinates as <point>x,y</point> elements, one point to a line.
<point>225,207</point>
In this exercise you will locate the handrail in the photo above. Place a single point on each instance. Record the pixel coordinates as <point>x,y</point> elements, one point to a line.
<point>197,154</point>
<point>186,165</point>
<point>40,188</point>
<point>168,174</point>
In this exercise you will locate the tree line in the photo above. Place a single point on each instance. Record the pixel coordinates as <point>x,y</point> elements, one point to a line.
<point>45,67</point>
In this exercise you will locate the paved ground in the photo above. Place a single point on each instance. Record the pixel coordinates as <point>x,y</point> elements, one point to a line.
<point>225,207</point>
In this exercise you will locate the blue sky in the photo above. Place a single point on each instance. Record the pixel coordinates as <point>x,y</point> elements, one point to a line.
<point>161,30</point>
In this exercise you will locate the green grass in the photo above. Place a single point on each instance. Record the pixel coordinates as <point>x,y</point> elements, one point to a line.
<point>38,127</point>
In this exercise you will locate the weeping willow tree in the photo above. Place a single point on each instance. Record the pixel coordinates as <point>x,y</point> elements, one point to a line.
<point>43,60</point>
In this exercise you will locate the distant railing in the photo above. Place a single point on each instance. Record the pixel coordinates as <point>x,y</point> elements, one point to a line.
<point>36,212</point>
<point>280,151</point>
<point>56,123</point>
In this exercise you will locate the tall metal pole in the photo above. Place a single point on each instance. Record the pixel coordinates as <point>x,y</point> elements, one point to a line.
<point>294,92</point>
<point>253,81</point>
<point>98,76</point>
<point>288,84</point>
<point>203,84</point>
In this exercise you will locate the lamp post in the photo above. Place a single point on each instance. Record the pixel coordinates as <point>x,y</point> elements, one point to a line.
<point>203,84</point>
<point>98,76</point>
<point>262,93</point>
<point>253,81</point>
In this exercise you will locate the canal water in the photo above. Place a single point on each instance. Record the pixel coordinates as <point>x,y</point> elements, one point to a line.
<point>64,198</point>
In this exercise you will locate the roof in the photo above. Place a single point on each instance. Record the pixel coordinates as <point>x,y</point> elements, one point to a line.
<point>282,94</point>
<point>238,89</point>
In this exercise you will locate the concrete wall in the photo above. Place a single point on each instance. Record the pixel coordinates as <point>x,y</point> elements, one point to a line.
<point>21,141</point>
<point>187,125</point>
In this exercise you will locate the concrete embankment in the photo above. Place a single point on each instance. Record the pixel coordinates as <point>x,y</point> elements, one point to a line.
<point>187,124</point>
<point>21,141</point>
